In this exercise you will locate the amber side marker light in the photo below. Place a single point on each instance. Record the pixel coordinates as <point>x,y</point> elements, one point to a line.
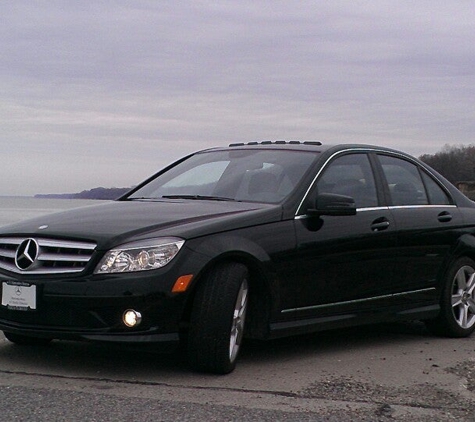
<point>182,283</point>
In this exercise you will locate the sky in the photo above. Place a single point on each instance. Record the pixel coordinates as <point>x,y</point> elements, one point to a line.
<point>105,93</point>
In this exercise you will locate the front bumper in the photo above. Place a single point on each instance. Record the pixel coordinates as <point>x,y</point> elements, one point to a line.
<point>92,308</point>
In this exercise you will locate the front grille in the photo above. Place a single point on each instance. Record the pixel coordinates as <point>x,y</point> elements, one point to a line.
<point>53,257</point>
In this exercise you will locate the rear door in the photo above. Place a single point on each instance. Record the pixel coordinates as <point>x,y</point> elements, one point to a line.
<point>427,222</point>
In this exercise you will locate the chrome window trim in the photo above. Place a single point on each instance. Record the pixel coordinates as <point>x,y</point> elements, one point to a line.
<point>325,165</point>
<point>385,208</point>
<point>350,302</point>
<point>393,207</point>
<point>377,151</point>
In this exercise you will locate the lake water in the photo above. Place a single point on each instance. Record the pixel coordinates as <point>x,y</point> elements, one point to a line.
<point>17,208</point>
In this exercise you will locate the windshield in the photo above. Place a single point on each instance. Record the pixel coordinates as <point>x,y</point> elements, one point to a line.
<point>239,175</point>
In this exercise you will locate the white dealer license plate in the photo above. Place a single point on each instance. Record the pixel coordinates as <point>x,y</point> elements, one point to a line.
<point>19,296</point>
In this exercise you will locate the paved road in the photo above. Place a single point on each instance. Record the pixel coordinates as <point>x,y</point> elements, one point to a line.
<point>395,372</point>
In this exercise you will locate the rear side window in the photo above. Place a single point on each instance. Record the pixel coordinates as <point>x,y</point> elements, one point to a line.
<point>408,185</point>
<point>437,195</point>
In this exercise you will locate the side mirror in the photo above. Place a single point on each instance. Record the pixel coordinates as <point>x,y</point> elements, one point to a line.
<point>333,204</point>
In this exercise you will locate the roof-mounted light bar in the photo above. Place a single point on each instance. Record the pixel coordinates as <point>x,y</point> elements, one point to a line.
<point>277,142</point>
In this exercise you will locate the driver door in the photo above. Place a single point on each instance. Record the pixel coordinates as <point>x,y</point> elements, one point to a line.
<point>343,263</point>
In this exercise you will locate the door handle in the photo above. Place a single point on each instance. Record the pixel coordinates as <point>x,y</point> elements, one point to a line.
<point>380,224</point>
<point>444,217</point>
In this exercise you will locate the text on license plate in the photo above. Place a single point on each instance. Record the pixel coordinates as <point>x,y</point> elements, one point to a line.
<point>19,296</point>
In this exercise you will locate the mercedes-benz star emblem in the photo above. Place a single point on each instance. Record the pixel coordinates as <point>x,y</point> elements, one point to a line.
<point>26,254</point>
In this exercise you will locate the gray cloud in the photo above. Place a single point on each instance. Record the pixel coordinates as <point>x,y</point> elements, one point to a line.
<point>105,93</point>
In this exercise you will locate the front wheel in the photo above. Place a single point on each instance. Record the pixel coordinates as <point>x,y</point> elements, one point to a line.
<point>217,319</point>
<point>457,314</point>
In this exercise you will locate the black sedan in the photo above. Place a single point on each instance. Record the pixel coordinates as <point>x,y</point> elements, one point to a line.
<point>257,240</point>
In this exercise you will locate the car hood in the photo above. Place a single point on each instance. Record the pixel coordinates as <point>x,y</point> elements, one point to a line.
<point>121,221</point>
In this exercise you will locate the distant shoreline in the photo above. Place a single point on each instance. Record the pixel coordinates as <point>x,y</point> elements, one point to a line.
<point>96,193</point>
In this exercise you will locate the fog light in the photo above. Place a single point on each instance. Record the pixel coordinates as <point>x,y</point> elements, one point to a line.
<point>131,318</point>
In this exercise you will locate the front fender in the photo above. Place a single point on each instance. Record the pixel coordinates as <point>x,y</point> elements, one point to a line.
<point>262,249</point>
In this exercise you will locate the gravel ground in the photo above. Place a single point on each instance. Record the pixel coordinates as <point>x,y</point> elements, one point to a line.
<point>383,373</point>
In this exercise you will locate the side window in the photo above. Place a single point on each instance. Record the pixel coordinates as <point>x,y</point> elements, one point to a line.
<point>350,175</point>
<point>437,195</point>
<point>404,181</point>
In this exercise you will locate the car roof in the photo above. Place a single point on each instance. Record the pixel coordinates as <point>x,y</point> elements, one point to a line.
<point>315,146</point>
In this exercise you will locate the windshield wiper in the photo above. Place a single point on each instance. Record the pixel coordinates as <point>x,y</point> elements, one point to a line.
<point>199,197</point>
<point>140,198</point>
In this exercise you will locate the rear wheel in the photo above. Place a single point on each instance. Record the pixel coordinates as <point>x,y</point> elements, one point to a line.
<point>26,340</point>
<point>217,319</point>
<point>457,314</point>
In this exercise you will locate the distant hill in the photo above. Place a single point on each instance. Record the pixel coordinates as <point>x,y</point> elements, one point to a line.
<point>96,193</point>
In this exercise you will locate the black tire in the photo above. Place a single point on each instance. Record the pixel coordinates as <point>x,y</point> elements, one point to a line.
<point>22,340</point>
<point>217,319</point>
<point>457,306</point>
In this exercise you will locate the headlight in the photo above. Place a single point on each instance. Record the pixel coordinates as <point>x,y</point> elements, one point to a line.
<point>140,256</point>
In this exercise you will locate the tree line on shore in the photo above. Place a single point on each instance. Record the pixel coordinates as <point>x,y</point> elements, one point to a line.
<point>95,193</point>
<point>455,162</point>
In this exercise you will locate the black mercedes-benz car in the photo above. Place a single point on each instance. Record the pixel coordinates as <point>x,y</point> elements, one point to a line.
<point>257,240</point>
